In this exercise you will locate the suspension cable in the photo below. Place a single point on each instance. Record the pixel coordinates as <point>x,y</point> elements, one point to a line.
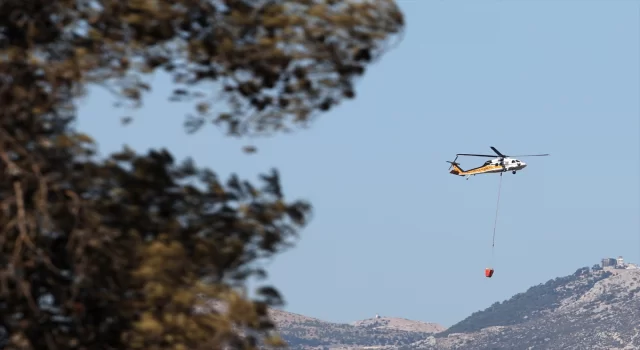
<point>495,223</point>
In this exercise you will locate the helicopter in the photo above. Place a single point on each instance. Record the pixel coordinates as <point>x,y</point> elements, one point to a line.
<point>500,164</point>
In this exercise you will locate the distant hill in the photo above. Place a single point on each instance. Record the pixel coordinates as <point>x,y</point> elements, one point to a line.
<point>400,324</point>
<point>303,332</point>
<point>535,302</point>
<point>590,309</point>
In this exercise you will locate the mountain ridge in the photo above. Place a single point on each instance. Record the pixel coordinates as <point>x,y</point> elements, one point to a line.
<point>302,332</point>
<point>594,308</point>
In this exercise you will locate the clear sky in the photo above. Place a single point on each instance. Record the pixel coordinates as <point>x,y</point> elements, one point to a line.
<point>394,233</point>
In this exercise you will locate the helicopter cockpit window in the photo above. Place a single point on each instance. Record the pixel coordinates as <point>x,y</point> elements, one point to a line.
<point>487,162</point>
<point>513,161</point>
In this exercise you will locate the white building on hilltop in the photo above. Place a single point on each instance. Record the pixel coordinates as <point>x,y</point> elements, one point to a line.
<point>617,264</point>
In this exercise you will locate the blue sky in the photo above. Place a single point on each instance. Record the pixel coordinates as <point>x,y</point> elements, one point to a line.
<point>395,234</point>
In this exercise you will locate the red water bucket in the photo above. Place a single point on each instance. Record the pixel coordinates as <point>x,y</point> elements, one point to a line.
<point>488,272</point>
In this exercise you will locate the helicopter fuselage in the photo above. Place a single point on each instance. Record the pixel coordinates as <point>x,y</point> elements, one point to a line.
<point>497,165</point>
<point>500,164</point>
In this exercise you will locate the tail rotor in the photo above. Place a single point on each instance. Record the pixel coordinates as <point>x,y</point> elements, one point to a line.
<point>453,163</point>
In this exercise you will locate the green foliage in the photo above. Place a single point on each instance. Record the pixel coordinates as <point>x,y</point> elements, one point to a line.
<point>121,247</point>
<point>276,63</point>
<point>529,305</point>
<point>114,254</point>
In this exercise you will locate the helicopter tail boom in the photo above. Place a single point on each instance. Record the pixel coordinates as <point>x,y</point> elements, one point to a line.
<point>456,169</point>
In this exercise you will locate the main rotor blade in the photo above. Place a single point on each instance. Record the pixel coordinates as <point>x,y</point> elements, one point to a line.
<point>532,155</point>
<point>475,155</point>
<point>497,152</point>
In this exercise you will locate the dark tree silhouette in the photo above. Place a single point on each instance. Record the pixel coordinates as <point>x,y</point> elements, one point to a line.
<point>115,253</point>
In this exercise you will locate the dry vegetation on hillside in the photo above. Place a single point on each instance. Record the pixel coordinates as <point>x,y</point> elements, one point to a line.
<point>302,332</point>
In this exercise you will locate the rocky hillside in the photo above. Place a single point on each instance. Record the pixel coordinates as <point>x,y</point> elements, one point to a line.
<point>400,324</point>
<point>303,332</point>
<point>587,310</point>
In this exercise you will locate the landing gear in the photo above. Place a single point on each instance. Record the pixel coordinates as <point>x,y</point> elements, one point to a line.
<point>513,172</point>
